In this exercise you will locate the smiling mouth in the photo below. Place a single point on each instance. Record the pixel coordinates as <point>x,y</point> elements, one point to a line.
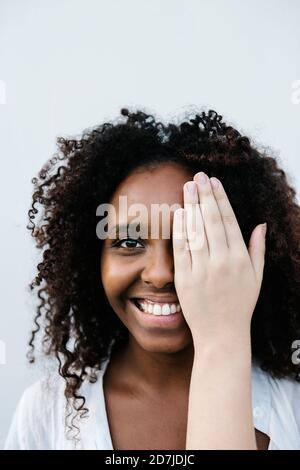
<point>156,308</point>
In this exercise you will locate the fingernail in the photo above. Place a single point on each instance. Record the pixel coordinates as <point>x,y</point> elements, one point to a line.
<point>191,187</point>
<point>214,182</point>
<point>201,177</point>
<point>264,229</point>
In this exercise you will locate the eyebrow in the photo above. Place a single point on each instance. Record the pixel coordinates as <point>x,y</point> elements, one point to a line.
<point>124,227</point>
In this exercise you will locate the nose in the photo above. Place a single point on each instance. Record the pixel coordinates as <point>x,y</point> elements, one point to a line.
<point>159,268</point>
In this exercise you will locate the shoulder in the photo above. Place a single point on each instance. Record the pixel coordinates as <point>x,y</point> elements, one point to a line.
<point>38,414</point>
<point>276,408</point>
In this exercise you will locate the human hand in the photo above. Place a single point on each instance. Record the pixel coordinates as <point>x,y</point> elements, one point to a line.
<point>217,279</point>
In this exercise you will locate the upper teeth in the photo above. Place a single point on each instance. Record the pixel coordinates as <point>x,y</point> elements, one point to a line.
<point>158,309</point>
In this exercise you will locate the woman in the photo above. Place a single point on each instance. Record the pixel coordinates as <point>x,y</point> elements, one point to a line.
<point>184,341</point>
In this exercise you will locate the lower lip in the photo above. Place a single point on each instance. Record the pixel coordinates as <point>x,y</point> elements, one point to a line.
<point>174,319</point>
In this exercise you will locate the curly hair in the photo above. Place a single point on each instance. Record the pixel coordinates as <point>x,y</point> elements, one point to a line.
<point>85,172</point>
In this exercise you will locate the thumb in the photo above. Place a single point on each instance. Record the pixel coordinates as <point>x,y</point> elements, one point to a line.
<point>257,249</point>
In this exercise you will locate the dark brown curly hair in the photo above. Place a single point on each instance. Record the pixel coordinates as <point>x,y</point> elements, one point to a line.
<point>85,173</point>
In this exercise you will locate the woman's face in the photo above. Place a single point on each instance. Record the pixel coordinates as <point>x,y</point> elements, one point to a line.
<point>144,269</point>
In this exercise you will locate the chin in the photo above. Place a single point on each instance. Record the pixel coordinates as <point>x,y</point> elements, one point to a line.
<point>164,345</point>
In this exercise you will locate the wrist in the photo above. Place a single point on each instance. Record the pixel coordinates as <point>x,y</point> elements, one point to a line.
<point>229,346</point>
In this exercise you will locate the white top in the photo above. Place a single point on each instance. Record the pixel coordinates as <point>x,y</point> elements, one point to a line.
<point>38,421</point>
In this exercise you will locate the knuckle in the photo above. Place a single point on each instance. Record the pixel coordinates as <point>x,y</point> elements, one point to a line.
<point>229,219</point>
<point>241,260</point>
<point>221,265</point>
<point>201,271</point>
<point>233,264</point>
<point>214,218</point>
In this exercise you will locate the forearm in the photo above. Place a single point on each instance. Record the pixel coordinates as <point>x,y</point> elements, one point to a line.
<point>220,397</point>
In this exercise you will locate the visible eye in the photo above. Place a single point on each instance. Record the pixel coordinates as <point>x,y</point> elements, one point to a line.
<point>119,243</point>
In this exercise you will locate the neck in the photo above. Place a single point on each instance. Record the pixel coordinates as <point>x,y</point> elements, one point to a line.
<point>156,371</point>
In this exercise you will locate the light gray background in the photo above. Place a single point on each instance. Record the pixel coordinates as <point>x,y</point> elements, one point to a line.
<point>66,65</point>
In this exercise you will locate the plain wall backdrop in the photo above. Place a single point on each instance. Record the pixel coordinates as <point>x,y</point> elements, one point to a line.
<point>66,65</point>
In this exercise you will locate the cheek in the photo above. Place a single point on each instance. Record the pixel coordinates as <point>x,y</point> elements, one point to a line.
<point>117,275</point>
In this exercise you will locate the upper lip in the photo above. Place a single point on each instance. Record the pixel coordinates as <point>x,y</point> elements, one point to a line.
<point>159,299</point>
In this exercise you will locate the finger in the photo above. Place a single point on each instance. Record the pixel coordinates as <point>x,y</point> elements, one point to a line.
<point>214,227</point>
<point>181,251</point>
<point>233,232</point>
<point>194,223</point>
<point>257,249</point>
